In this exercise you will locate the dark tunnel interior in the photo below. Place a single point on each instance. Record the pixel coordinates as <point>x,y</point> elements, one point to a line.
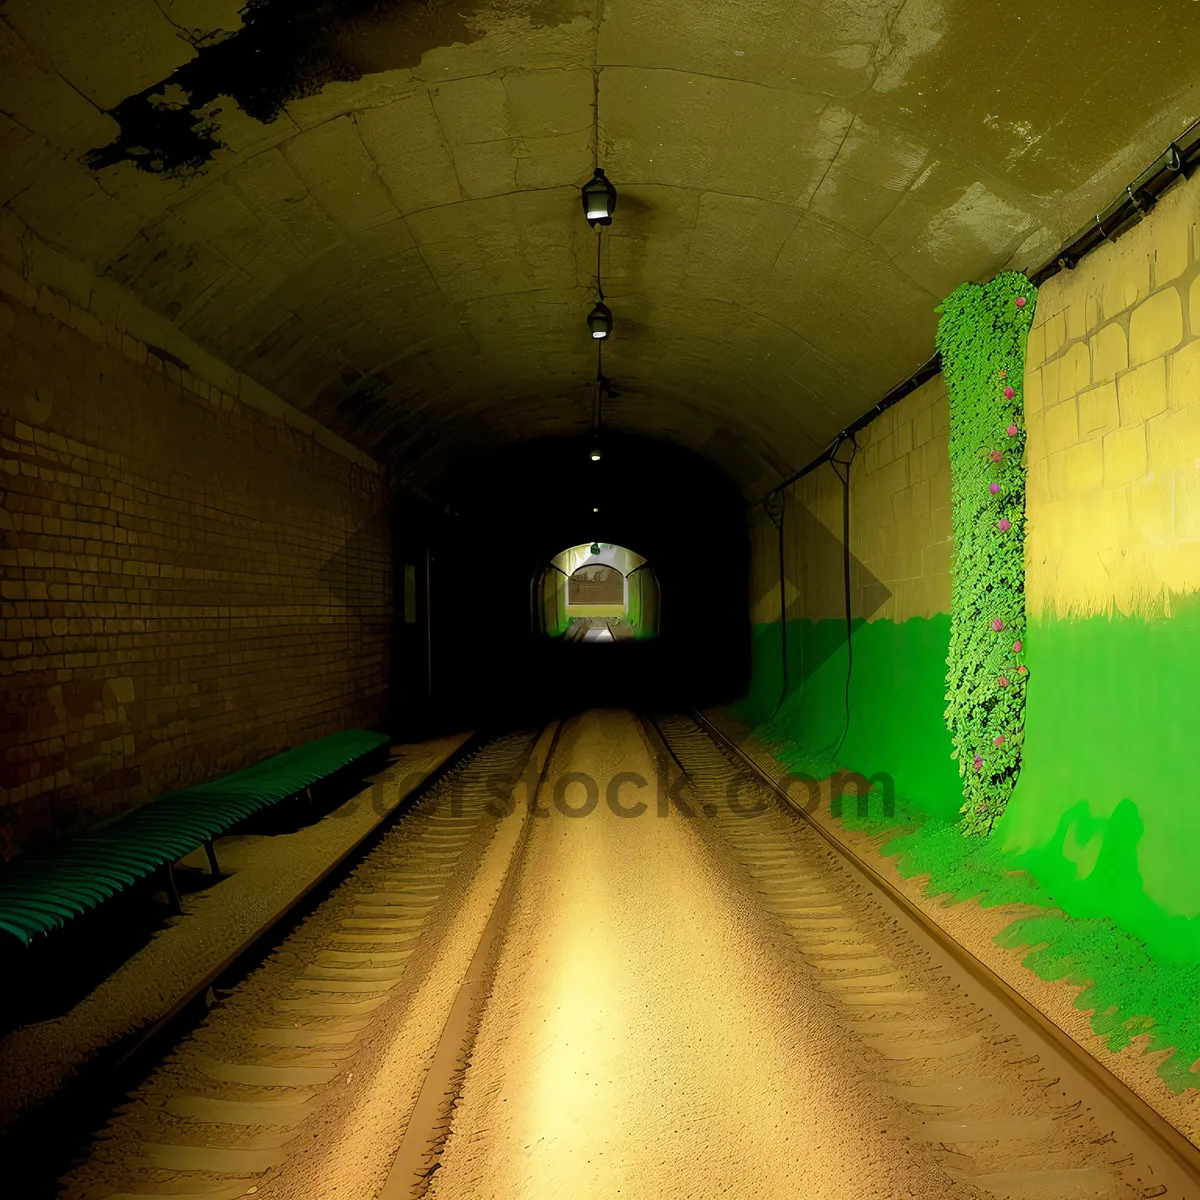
<point>476,545</point>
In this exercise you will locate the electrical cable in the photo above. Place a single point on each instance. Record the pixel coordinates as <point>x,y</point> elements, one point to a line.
<point>596,414</point>
<point>1180,159</point>
<point>781,493</point>
<point>782,609</point>
<point>836,463</point>
<point>783,687</point>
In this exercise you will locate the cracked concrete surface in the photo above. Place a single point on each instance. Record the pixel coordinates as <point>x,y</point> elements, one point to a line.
<point>400,251</point>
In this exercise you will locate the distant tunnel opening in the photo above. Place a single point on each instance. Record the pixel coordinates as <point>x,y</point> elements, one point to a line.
<point>595,587</point>
<point>521,603</point>
<point>597,592</point>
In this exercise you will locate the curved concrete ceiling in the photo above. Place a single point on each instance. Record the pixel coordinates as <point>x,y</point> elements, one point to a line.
<point>372,208</point>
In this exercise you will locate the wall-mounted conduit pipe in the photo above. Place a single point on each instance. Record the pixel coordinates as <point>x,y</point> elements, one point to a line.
<point>1178,161</point>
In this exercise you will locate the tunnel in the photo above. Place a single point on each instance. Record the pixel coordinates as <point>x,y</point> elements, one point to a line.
<point>663,514</point>
<point>599,599</point>
<point>597,593</point>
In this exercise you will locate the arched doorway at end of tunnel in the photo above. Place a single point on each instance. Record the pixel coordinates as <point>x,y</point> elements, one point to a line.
<point>596,592</point>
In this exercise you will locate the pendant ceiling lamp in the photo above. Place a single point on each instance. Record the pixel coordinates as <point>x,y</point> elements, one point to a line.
<point>599,199</point>
<point>600,321</point>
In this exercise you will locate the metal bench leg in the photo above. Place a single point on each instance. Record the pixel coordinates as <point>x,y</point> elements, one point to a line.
<point>213,869</point>
<point>173,891</point>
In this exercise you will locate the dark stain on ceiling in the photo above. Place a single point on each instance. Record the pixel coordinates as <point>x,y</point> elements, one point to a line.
<point>286,50</point>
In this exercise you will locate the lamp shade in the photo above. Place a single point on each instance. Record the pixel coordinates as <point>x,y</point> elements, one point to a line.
<point>599,199</point>
<point>600,321</point>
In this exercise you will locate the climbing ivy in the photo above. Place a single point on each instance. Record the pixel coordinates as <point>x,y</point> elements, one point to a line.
<point>981,337</point>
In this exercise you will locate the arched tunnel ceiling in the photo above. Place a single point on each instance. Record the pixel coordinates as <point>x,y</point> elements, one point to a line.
<point>372,208</point>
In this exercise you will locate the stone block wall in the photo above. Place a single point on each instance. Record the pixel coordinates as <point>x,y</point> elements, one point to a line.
<point>1105,810</point>
<point>900,534</point>
<point>900,543</point>
<point>188,583</point>
<point>1112,399</point>
<point>900,507</point>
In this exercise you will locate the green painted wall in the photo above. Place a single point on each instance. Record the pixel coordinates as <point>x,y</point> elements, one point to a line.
<point>642,604</point>
<point>897,690</point>
<point>554,603</point>
<point>1106,814</point>
<point>633,600</point>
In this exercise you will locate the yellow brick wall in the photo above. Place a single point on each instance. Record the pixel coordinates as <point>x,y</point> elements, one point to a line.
<point>1112,400</point>
<point>899,523</point>
<point>187,583</point>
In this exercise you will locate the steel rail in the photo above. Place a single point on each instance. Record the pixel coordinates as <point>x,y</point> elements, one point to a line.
<point>419,1154</point>
<point>1182,1152</point>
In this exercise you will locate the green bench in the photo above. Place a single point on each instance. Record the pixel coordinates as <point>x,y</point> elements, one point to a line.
<point>42,891</point>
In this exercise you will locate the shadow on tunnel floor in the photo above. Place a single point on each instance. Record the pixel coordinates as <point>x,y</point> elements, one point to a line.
<point>537,679</point>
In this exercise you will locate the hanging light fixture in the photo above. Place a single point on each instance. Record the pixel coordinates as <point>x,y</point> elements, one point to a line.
<point>600,321</point>
<point>599,199</point>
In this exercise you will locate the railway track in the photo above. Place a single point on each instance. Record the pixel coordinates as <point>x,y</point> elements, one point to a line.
<point>336,1066</point>
<point>241,1104</point>
<point>1012,1102</point>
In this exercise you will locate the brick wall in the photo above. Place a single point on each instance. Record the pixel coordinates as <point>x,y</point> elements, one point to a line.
<point>1112,398</point>
<point>189,584</point>
<point>1104,814</point>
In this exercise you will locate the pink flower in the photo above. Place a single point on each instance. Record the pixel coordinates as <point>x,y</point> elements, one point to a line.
<point>1009,393</point>
<point>1022,670</point>
<point>997,624</point>
<point>978,763</point>
<point>1004,525</point>
<point>1011,431</point>
<point>1016,647</point>
<point>1020,301</point>
<point>998,741</point>
<point>993,488</point>
<point>1003,681</point>
<point>997,455</point>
